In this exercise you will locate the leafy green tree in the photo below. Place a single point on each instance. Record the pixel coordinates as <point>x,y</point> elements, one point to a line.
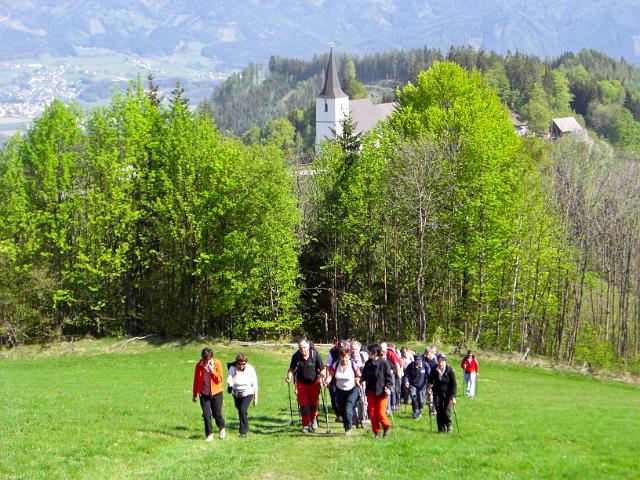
<point>537,110</point>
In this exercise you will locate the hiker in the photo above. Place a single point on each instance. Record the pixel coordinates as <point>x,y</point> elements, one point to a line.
<point>359,357</point>
<point>332,358</point>
<point>415,381</point>
<point>396,368</point>
<point>470,367</point>
<point>207,383</point>
<point>377,377</point>
<point>243,382</point>
<point>309,371</point>
<point>442,392</point>
<point>432,363</point>
<point>345,375</point>
<point>406,359</point>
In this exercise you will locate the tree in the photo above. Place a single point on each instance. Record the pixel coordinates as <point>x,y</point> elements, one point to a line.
<point>537,110</point>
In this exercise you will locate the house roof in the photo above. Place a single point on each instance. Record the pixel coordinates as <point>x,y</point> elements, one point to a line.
<point>331,83</point>
<point>366,114</point>
<point>567,124</point>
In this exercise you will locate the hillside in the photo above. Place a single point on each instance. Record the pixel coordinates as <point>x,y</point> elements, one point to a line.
<point>109,414</point>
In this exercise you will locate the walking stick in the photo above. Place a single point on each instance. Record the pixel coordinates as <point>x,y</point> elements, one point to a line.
<point>324,404</point>
<point>393,425</point>
<point>290,404</point>
<point>455,415</point>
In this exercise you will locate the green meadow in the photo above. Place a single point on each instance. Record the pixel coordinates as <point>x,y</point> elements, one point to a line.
<point>97,409</point>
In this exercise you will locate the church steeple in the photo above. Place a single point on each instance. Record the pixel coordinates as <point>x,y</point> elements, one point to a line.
<point>332,106</point>
<point>331,83</point>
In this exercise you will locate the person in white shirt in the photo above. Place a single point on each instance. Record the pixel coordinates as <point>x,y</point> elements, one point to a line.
<point>243,382</point>
<point>347,380</point>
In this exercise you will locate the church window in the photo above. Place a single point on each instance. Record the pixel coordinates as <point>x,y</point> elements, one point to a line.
<point>326,107</point>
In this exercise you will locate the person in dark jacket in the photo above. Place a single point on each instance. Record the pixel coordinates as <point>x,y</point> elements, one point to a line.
<point>378,379</point>
<point>430,359</point>
<point>442,389</point>
<point>309,371</point>
<point>415,381</point>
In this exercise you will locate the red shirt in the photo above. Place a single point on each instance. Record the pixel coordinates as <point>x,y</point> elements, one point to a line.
<point>469,364</point>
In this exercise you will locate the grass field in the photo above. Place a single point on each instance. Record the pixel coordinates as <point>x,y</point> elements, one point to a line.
<point>100,411</point>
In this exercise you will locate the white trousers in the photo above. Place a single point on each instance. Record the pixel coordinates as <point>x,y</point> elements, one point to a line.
<point>470,383</point>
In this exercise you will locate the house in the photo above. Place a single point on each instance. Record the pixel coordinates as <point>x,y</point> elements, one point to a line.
<point>565,125</point>
<point>333,106</point>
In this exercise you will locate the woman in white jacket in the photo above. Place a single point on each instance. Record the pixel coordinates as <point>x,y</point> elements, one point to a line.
<point>243,382</point>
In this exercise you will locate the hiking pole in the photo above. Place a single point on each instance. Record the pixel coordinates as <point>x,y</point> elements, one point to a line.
<point>324,404</point>
<point>290,404</point>
<point>393,425</point>
<point>455,415</point>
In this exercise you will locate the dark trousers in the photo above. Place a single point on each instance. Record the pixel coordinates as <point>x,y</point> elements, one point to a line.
<point>334,396</point>
<point>417,398</point>
<point>242,404</point>
<point>346,400</point>
<point>211,406</point>
<point>443,412</point>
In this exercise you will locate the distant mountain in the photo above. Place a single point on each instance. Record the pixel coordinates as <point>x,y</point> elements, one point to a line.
<point>237,32</point>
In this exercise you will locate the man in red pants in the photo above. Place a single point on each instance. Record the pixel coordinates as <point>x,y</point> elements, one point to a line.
<point>309,371</point>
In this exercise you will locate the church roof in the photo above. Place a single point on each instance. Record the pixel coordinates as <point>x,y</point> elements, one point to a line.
<point>331,83</point>
<point>366,114</point>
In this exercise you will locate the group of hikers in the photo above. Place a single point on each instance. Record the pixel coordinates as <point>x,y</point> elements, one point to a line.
<point>362,385</point>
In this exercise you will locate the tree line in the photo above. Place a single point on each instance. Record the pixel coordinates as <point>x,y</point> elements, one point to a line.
<point>142,217</point>
<point>440,225</point>
<point>443,225</point>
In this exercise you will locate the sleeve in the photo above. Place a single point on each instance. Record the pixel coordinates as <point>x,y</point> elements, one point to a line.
<point>476,364</point>
<point>454,385</point>
<point>464,360</point>
<point>232,372</point>
<point>430,378</point>
<point>196,386</point>
<point>217,376</point>
<point>388,375</point>
<point>294,362</point>
<point>255,378</point>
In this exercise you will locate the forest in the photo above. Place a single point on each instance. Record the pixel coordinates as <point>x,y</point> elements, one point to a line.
<point>440,225</point>
<point>601,92</point>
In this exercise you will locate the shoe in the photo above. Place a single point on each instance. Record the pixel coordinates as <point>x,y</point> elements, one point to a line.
<point>223,433</point>
<point>338,419</point>
<point>243,435</point>
<point>416,414</point>
<point>305,429</point>
<point>449,429</point>
<point>314,425</point>
<point>376,435</point>
<point>348,433</point>
<point>209,438</point>
<point>385,433</point>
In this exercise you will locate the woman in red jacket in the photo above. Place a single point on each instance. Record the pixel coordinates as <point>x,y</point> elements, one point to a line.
<point>470,366</point>
<point>207,383</point>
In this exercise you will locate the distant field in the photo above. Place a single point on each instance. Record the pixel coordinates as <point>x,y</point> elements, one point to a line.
<point>100,411</point>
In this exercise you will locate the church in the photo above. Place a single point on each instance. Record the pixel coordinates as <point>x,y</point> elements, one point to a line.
<point>333,106</point>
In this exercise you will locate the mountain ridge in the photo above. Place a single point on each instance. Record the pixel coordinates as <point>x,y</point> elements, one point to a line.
<point>239,32</point>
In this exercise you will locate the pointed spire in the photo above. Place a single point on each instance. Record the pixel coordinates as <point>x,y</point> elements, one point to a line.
<point>331,83</point>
